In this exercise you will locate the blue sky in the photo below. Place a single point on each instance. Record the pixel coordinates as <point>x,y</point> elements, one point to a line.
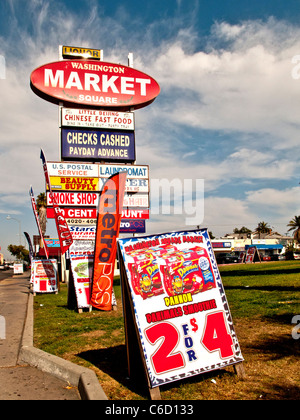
<point>228,111</point>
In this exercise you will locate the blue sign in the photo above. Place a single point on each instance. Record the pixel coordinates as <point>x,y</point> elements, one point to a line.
<point>108,146</point>
<point>133,226</point>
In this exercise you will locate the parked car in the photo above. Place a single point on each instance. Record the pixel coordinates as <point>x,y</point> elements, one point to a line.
<point>227,258</point>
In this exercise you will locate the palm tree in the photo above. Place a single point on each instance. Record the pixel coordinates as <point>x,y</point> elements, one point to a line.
<point>295,226</point>
<point>41,204</point>
<point>262,227</point>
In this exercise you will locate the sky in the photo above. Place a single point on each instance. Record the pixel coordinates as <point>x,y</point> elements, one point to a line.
<point>228,112</point>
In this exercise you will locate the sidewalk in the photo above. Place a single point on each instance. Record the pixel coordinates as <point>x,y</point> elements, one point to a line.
<point>27,373</point>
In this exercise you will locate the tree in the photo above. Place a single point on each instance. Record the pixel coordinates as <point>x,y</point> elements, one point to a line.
<point>294,225</point>
<point>242,230</point>
<point>19,251</point>
<point>41,205</point>
<point>263,227</point>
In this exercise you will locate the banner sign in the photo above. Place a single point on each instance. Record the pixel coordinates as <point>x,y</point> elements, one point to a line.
<point>74,199</point>
<point>178,304</point>
<point>135,214</point>
<point>133,226</point>
<point>74,183</point>
<point>44,274</point>
<point>97,145</point>
<point>133,171</point>
<point>108,226</point>
<point>91,213</point>
<point>94,84</point>
<point>67,183</point>
<point>96,118</point>
<point>71,169</point>
<point>133,185</point>
<point>82,270</point>
<point>78,212</point>
<point>91,199</point>
<point>94,170</point>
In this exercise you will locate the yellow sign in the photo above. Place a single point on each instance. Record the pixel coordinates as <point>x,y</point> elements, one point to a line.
<point>77,52</point>
<point>65,183</point>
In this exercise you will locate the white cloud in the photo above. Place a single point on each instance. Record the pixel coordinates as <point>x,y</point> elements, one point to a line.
<point>245,86</point>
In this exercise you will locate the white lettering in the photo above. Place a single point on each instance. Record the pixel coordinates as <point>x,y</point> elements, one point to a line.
<point>50,78</point>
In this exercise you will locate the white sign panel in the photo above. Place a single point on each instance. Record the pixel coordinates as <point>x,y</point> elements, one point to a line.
<point>44,274</point>
<point>94,118</point>
<point>82,248</point>
<point>91,199</point>
<point>180,308</point>
<point>133,171</point>
<point>72,169</point>
<point>82,271</point>
<point>83,232</point>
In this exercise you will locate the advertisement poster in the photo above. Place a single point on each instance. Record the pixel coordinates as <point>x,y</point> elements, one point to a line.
<point>252,255</point>
<point>18,268</point>
<point>44,276</point>
<point>97,145</point>
<point>82,271</point>
<point>180,307</point>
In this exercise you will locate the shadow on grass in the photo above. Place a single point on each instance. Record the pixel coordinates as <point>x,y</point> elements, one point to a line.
<point>113,362</point>
<point>275,348</point>
<point>258,272</point>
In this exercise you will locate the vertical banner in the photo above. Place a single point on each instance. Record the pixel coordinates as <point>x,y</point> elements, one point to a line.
<point>108,227</point>
<point>64,234</point>
<point>29,245</point>
<point>37,221</point>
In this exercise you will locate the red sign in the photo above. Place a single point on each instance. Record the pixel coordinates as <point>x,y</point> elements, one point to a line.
<point>108,227</point>
<point>91,213</point>
<point>94,84</point>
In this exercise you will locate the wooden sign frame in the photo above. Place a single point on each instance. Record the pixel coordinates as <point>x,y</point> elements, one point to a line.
<point>139,358</point>
<point>252,257</point>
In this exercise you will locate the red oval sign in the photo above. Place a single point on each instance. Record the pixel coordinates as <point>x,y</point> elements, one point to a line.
<point>97,84</point>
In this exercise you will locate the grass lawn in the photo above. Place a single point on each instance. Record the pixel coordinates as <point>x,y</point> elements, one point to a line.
<point>263,299</point>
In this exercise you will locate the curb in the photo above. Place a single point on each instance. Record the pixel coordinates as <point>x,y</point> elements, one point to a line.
<point>83,378</point>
